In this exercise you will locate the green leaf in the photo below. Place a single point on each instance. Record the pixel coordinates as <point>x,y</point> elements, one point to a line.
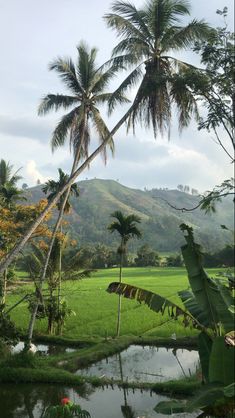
<point>204,348</point>
<point>154,301</point>
<point>208,397</point>
<point>229,391</point>
<point>193,307</point>
<point>171,407</point>
<point>213,298</point>
<point>221,367</point>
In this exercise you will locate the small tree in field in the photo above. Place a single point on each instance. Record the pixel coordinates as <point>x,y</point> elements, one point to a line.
<point>127,229</point>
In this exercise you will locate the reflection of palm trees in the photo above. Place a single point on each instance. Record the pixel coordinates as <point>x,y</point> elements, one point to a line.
<point>174,351</point>
<point>127,411</point>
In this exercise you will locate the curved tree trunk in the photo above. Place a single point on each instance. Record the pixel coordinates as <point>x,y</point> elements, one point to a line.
<point>55,230</point>
<point>18,247</point>
<point>4,287</point>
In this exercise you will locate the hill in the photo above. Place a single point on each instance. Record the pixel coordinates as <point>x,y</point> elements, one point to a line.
<point>90,215</point>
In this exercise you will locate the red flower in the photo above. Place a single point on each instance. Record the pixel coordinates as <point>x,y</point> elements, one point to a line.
<point>65,401</point>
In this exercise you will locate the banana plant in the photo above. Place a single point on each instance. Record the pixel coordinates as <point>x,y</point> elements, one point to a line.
<point>208,307</point>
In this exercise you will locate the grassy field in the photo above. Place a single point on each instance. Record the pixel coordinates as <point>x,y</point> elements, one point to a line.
<point>96,309</point>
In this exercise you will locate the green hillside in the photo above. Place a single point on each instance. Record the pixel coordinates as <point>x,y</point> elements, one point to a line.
<point>160,223</point>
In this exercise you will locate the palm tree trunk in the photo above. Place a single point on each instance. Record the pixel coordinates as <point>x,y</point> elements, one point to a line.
<point>18,247</point>
<point>119,297</point>
<point>4,287</point>
<point>56,227</point>
<point>60,271</point>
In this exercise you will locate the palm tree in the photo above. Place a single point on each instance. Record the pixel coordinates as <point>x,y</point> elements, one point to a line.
<point>53,187</point>
<point>9,195</point>
<point>149,37</point>
<point>6,175</point>
<point>127,229</point>
<point>86,83</point>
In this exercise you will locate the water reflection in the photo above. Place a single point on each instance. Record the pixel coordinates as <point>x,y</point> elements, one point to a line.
<point>149,364</point>
<point>45,349</point>
<point>31,401</point>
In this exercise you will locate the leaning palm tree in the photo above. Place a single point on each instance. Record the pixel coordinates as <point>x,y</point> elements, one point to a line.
<point>86,83</point>
<point>127,229</point>
<point>149,38</point>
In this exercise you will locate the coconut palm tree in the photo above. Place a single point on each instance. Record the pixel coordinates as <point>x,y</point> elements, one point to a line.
<point>149,37</point>
<point>53,187</point>
<point>6,175</point>
<point>9,193</point>
<point>87,85</point>
<point>127,229</point>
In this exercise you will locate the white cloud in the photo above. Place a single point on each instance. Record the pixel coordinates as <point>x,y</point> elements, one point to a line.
<point>33,173</point>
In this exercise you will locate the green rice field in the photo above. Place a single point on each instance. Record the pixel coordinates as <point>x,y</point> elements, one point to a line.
<point>96,310</point>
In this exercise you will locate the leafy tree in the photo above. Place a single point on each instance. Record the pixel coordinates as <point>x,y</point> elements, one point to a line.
<point>13,223</point>
<point>147,257</point>
<point>215,85</point>
<point>174,261</point>
<point>149,38</point>
<point>51,305</point>
<point>126,227</point>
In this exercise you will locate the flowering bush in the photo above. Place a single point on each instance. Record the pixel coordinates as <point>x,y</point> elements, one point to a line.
<point>67,409</point>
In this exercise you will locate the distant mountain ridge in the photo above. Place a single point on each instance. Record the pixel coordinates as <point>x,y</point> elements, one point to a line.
<point>90,216</point>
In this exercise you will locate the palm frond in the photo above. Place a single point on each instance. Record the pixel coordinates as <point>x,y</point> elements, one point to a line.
<point>152,105</point>
<point>184,100</point>
<point>55,102</point>
<point>103,132</point>
<point>86,67</point>
<point>130,81</point>
<point>62,130</point>
<point>66,70</point>
<point>184,37</point>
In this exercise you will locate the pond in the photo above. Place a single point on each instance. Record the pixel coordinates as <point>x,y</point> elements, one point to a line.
<point>147,364</point>
<point>45,349</point>
<point>30,401</point>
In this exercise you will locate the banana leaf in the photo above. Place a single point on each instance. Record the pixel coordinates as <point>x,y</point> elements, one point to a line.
<point>208,398</point>
<point>154,301</point>
<point>221,367</point>
<point>193,307</point>
<point>229,391</point>
<point>204,348</point>
<point>213,298</point>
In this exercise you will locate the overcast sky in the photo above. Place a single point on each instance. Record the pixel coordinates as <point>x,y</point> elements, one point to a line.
<point>33,33</point>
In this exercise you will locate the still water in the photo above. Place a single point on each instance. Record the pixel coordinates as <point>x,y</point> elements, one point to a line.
<point>46,349</point>
<point>31,401</point>
<point>146,364</point>
<point>137,363</point>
